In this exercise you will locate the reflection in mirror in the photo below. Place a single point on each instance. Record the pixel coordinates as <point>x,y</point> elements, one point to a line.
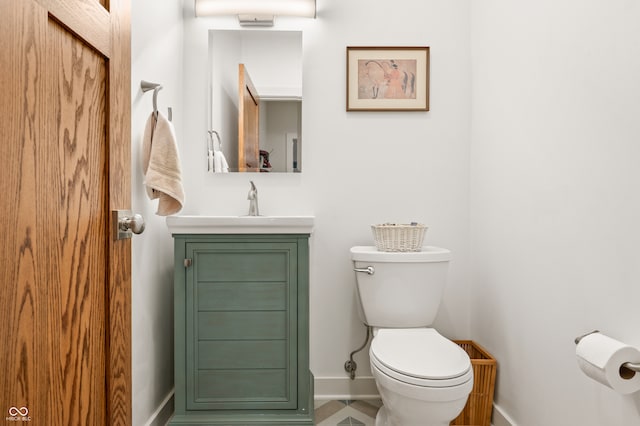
<point>269,138</point>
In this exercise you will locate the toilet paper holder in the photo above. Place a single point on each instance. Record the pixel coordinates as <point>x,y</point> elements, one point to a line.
<point>631,367</point>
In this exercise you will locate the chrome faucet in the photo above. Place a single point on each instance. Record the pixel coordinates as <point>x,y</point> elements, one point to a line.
<point>253,200</point>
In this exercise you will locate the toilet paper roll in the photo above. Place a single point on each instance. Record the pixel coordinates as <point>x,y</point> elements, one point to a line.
<point>601,358</point>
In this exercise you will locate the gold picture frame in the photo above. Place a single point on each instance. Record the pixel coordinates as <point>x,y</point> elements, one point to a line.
<point>388,78</point>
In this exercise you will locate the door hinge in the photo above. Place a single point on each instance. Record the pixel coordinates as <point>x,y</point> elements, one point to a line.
<point>188,263</point>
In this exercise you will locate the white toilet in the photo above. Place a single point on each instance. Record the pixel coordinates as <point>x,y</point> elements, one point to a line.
<point>423,378</point>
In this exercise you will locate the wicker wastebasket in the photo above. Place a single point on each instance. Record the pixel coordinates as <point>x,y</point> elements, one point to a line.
<point>477,412</point>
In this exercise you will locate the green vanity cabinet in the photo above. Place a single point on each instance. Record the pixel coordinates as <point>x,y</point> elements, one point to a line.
<point>241,330</point>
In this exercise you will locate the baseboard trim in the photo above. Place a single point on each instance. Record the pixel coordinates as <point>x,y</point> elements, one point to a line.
<point>500,418</point>
<point>331,388</point>
<point>163,413</point>
<point>326,388</point>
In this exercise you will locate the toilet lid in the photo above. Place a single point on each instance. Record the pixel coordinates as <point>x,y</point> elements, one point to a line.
<point>420,354</point>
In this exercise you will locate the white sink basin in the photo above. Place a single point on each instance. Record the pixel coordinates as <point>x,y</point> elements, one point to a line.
<point>240,224</point>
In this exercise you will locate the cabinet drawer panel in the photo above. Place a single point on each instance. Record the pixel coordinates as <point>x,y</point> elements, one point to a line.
<point>263,325</point>
<point>242,266</point>
<point>248,296</point>
<point>235,354</point>
<point>229,385</point>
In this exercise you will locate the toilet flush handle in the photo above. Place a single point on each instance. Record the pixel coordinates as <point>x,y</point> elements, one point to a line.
<point>369,270</point>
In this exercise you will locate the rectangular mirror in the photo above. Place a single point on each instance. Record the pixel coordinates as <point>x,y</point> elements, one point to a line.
<point>256,99</point>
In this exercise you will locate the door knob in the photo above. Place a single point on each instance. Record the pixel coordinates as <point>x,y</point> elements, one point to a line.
<point>134,223</point>
<point>127,224</point>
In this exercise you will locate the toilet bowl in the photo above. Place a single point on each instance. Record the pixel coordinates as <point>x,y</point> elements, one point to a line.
<point>423,378</point>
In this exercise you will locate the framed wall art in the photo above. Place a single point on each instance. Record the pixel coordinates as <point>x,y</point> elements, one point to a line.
<point>387,78</point>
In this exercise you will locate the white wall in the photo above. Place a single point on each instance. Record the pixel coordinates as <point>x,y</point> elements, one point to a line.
<point>157,57</point>
<point>551,212</point>
<point>359,168</point>
<point>555,199</point>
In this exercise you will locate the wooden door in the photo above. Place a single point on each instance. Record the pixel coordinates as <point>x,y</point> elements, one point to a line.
<point>65,147</point>
<point>248,123</point>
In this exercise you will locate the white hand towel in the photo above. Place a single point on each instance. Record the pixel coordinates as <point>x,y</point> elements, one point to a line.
<point>220,163</point>
<point>210,161</point>
<point>225,165</point>
<point>217,163</point>
<point>161,165</point>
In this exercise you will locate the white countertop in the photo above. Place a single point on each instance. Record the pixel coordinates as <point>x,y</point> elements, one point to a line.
<point>240,224</point>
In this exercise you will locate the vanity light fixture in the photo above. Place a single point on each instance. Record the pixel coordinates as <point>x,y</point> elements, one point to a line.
<point>256,12</point>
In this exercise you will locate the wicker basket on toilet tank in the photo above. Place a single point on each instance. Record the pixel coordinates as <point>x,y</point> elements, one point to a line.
<point>398,237</point>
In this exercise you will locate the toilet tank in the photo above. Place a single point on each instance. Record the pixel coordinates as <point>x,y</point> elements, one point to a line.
<point>405,288</point>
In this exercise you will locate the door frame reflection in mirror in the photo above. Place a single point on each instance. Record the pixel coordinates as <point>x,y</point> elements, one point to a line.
<point>274,59</point>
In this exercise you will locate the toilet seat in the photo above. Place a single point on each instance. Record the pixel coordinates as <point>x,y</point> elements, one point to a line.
<point>420,356</point>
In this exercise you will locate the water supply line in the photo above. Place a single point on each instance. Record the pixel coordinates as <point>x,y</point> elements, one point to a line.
<point>350,366</point>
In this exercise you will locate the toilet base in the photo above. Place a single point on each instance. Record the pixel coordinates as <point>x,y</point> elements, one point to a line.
<point>382,419</point>
<point>410,405</point>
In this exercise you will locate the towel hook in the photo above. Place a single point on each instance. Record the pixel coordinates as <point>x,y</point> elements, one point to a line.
<point>211,133</point>
<point>146,86</point>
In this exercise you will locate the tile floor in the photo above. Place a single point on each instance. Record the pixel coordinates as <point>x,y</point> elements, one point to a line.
<point>346,413</point>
